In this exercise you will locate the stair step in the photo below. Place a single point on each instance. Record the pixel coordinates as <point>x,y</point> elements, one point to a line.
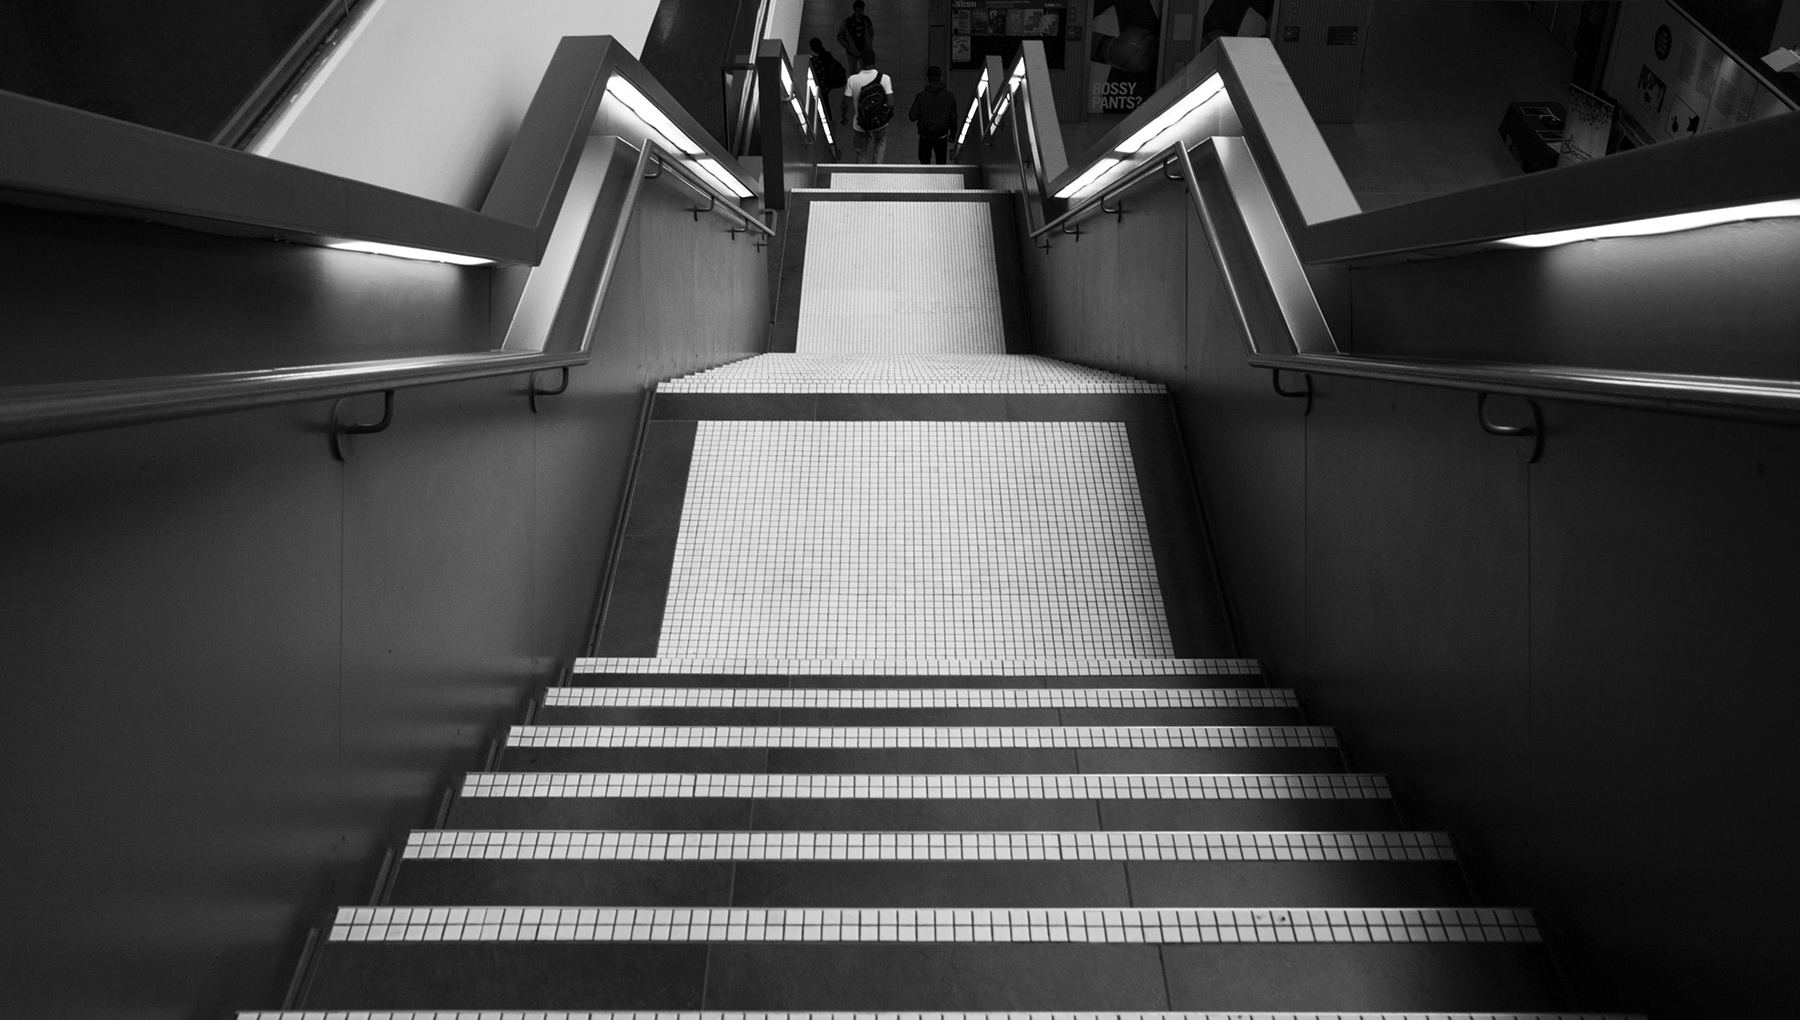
<point>928,869</point>
<point>925,706</point>
<point>892,698</point>
<point>833,958</point>
<point>900,668</point>
<point>882,749</point>
<point>686,800</point>
<point>380,1014</point>
<point>679,845</point>
<point>924,374</point>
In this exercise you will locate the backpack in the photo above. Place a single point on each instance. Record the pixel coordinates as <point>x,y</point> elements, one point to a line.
<point>858,27</point>
<point>873,111</point>
<point>828,74</point>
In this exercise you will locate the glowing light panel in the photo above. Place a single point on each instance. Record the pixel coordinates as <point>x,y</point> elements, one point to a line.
<point>1660,224</point>
<point>400,251</point>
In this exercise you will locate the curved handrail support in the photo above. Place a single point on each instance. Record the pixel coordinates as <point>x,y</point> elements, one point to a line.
<point>1534,431</point>
<point>340,428</point>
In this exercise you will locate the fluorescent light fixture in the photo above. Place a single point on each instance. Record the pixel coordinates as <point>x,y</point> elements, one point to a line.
<point>980,95</point>
<point>1168,120</point>
<point>400,251</point>
<point>1660,224</point>
<point>1006,97</point>
<point>1101,167</point>
<point>671,136</point>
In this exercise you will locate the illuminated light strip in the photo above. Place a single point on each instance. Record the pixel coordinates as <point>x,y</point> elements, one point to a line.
<point>400,251</point>
<point>671,136</point>
<point>1147,138</point>
<point>980,96</point>
<point>1012,85</point>
<point>793,94</point>
<point>1660,224</point>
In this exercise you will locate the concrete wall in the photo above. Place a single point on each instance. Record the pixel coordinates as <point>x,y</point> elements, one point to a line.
<point>426,95</point>
<point>232,669</point>
<point>1575,666</point>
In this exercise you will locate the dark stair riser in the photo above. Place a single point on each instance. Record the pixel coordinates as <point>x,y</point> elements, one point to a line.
<point>968,976</point>
<point>637,716</point>
<point>917,815</point>
<point>949,884</point>
<point>934,761</point>
<point>860,682</point>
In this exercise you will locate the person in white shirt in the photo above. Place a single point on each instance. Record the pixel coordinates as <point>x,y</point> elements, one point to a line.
<point>871,119</point>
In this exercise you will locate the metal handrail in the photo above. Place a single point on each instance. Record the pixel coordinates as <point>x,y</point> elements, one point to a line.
<point>1143,172</point>
<point>1729,397</point>
<point>30,412</point>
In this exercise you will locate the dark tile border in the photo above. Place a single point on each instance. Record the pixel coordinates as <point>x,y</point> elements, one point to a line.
<point>1191,602</point>
<point>632,625</point>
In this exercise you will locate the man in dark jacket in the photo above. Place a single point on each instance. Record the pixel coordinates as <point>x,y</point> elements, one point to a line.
<point>935,111</point>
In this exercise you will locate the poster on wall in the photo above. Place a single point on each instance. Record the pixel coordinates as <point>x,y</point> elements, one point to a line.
<point>983,28</point>
<point>1673,81</point>
<point>1123,41</point>
<point>1587,125</point>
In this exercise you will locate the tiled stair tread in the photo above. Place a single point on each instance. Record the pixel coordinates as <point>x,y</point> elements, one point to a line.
<point>868,373</point>
<point>913,538</point>
<point>494,1014</point>
<point>859,737</point>
<point>900,277</point>
<point>913,698</point>
<point>954,169</point>
<point>614,845</point>
<point>862,180</point>
<point>700,665</point>
<point>847,786</point>
<point>1158,925</point>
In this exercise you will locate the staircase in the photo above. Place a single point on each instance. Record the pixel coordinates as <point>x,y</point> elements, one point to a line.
<point>915,693</point>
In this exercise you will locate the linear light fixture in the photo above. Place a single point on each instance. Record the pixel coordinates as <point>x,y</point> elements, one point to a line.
<point>671,136</point>
<point>1660,224</point>
<point>400,251</point>
<point>1152,137</point>
<point>793,94</point>
<point>1006,96</point>
<point>980,94</point>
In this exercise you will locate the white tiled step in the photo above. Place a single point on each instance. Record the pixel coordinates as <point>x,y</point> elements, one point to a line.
<point>871,737</point>
<point>723,665</point>
<point>1072,786</point>
<point>952,697</point>
<point>610,845</point>
<point>900,277</point>
<point>473,1014</point>
<point>854,180</point>
<point>774,924</point>
<point>933,373</point>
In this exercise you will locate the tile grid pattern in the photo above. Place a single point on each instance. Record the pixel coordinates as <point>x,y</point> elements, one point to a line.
<point>562,844</point>
<point>766,924</point>
<point>918,698</point>
<point>849,180</point>
<point>914,538</point>
<point>851,665</point>
<point>874,373</point>
<point>900,278</point>
<point>846,786</point>
<point>478,1014</point>
<point>936,737</point>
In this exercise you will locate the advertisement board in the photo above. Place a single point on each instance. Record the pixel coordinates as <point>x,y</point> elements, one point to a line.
<point>1124,40</point>
<point>1673,81</point>
<point>983,28</point>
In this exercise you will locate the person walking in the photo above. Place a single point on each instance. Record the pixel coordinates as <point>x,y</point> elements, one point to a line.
<point>830,76</point>
<point>934,110</point>
<point>857,36</point>
<point>872,97</point>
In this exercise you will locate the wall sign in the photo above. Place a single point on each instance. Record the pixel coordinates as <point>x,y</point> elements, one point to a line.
<point>983,28</point>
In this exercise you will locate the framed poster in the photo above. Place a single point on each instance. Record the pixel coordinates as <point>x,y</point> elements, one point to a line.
<point>983,28</point>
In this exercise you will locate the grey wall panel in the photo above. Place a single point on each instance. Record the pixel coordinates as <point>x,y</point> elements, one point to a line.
<point>1578,666</point>
<point>85,294</point>
<point>1710,301</point>
<point>235,668</point>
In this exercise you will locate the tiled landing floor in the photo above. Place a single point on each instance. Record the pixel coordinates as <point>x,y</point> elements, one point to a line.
<point>874,373</point>
<point>913,540</point>
<point>900,278</point>
<point>849,181</point>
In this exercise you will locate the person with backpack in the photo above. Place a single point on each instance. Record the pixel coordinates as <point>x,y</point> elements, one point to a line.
<point>829,76</point>
<point>872,97</point>
<point>935,112</point>
<point>857,36</point>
